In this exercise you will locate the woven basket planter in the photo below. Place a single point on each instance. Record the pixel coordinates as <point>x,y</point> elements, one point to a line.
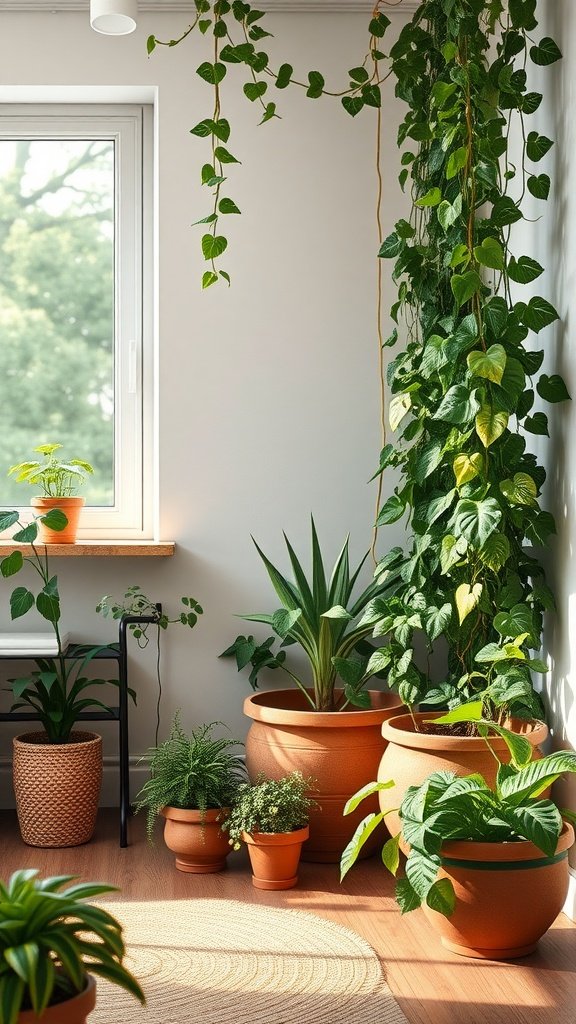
<point>57,787</point>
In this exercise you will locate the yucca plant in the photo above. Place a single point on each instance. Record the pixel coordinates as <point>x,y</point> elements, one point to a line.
<point>329,625</point>
<point>51,939</point>
<point>191,772</point>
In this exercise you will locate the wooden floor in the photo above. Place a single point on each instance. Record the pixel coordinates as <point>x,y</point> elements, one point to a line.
<point>431,985</point>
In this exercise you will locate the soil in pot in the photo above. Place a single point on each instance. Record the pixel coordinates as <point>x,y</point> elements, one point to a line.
<point>341,750</point>
<point>410,756</point>
<point>57,788</point>
<point>274,857</point>
<point>507,896</point>
<point>197,839</point>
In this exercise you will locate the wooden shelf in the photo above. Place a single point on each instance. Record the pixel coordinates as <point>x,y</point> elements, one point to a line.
<point>98,549</point>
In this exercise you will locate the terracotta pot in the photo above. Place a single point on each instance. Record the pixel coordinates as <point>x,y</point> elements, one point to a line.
<point>72,1011</point>
<point>274,857</point>
<point>196,839</point>
<point>341,750</point>
<point>410,757</point>
<point>507,896</point>
<point>71,507</point>
<point>57,788</point>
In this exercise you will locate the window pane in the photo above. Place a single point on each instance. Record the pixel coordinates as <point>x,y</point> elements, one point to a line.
<point>57,307</point>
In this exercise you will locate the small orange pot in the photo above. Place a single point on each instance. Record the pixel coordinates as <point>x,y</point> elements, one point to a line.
<point>196,839</point>
<point>507,896</point>
<point>72,1011</point>
<point>71,507</point>
<point>340,749</point>
<point>274,857</point>
<point>410,756</point>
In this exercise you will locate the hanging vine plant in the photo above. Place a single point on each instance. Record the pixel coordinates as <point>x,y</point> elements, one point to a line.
<point>465,373</point>
<point>465,383</point>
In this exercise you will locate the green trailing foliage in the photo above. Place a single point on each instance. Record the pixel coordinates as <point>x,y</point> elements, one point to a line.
<point>450,807</point>
<point>322,616</point>
<point>234,33</point>
<point>195,772</point>
<point>465,381</point>
<point>136,602</point>
<point>55,690</point>
<point>270,805</point>
<point>51,939</point>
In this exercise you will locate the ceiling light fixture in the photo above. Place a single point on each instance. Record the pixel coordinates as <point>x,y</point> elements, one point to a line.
<point>113,17</point>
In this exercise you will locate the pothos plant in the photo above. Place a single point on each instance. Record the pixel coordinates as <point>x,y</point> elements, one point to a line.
<point>465,381</point>
<point>465,378</point>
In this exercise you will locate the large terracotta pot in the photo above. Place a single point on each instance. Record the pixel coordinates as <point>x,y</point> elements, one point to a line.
<point>341,750</point>
<point>274,857</point>
<point>507,896</point>
<point>71,507</point>
<point>72,1011</point>
<point>57,788</point>
<point>197,839</point>
<point>410,756</point>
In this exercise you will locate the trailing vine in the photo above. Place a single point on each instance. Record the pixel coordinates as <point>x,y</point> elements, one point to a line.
<point>465,382</point>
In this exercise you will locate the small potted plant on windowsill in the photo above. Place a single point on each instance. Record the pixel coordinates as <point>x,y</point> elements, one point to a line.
<point>58,481</point>
<point>51,944</point>
<point>488,864</point>
<point>193,781</point>
<point>271,817</point>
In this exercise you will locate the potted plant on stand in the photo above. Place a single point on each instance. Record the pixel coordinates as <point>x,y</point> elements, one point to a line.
<point>52,942</point>
<point>488,863</point>
<point>271,817</point>
<point>58,481</point>
<point>57,772</point>
<point>193,782</point>
<point>328,725</point>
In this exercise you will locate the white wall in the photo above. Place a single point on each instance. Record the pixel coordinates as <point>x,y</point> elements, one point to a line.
<point>268,391</point>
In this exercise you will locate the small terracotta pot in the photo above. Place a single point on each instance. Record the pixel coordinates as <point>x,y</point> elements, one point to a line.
<point>71,507</point>
<point>340,749</point>
<point>57,788</point>
<point>72,1011</point>
<point>507,896</point>
<point>197,839</point>
<point>274,857</point>
<point>410,756</point>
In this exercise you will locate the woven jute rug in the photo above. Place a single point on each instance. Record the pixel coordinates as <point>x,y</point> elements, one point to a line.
<point>225,962</point>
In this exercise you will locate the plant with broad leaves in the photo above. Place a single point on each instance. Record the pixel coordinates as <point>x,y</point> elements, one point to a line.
<point>447,807</point>
<point>323,618</point>
<point>235,29</point>
<point>465,380</point>
<point>54,690</point>
<point>51,940</point>
<point>57,479</point>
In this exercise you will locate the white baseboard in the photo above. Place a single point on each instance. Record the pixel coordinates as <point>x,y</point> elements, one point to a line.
<point>570,905</point>
<point>109,796</point>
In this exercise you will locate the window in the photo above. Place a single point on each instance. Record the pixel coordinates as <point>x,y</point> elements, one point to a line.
<point>75,338</point>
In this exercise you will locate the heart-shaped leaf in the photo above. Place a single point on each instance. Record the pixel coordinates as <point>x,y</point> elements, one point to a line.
<point>489,364</point>
<point>490,425</point>
<point>467,598</point>
<point>467,467</point>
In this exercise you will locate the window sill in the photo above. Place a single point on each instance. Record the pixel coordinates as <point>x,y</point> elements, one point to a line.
<point>99,549</point>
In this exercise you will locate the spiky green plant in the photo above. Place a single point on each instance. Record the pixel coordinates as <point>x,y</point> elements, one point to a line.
<point>270,805</point>
<point>321,616</point>
<point>194,772</point>
<point>50,939</point>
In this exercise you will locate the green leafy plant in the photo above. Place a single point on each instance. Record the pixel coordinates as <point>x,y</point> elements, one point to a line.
<point>136,602</point>
<point>51,940</point>
<point>57,479</point>
<point>54,690</point>
<point>323,618</point>
<point>447,807</point>
<point>191,772</point>
<point>234,30</point>
<point>270,805</point>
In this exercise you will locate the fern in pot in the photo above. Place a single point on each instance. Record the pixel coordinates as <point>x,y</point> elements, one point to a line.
<point>193,780</point>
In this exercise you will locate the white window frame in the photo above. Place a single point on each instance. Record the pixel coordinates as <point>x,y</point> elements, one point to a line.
<point>130,127</point>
